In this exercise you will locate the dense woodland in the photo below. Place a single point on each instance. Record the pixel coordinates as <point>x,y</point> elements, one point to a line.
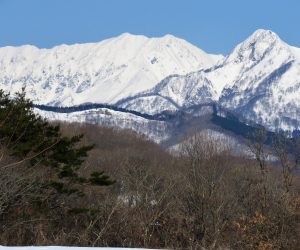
<point>85,185</point>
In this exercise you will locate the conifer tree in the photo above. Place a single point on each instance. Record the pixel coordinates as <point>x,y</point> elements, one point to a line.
<point>31,138</point>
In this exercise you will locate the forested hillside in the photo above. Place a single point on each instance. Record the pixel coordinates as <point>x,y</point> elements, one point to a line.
<point>86,185</point>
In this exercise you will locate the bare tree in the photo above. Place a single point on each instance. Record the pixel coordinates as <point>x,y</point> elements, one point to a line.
<point>258,149</point>
<point>205,201</point>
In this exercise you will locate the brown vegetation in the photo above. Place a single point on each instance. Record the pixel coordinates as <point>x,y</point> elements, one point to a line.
<point>203,198</point>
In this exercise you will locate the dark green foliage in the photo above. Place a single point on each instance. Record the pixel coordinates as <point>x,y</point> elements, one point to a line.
<point>98,178</point>
<point>61,189</point>
<point>78,210</point>
<point>31,138</point>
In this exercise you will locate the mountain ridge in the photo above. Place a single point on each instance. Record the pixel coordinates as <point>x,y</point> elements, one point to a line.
<point>259,79</point>
<point>114,68</point>
<point>261,72</point>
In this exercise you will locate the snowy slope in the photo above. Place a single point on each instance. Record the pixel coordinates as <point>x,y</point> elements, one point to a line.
<point>154,130</point>
<point>103,72</point>
<point>259,81</point>
<point>172,94</point>
<point>264,82</point>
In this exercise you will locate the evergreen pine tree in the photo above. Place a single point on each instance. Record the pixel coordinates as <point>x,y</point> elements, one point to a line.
<point>31,138</point>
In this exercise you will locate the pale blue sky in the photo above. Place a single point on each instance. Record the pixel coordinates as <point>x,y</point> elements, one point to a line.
<point>213,25</point>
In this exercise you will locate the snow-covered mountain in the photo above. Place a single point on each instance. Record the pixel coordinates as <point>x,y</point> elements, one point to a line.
<point>103,72</point>
<point>172,94</point>
<point>264,85</point>
<point>259,81</point>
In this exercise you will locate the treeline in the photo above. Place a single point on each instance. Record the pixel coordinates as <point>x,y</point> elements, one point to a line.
<point>202,197</point>
<point>84,107</point>
<point>163,116</point>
